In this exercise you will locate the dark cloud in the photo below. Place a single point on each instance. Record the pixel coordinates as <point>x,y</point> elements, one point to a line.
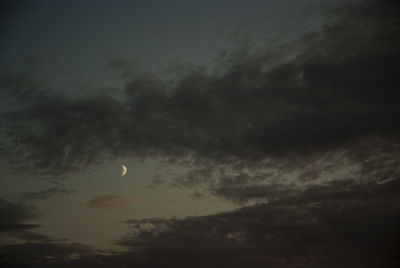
<point>309,175</point>
<point>47,193</point>
<point>334,86</point>
<point>111,201</point>
<point>4,227</point>
<point>127,68</point>
<point>242,193</point>
<point>13,218</point>
<point>22,85</point>
<point>372,160</point>
<point>32,236</point>
<point>53,142</point>
<point>340,223</point>
<point>42,254</point>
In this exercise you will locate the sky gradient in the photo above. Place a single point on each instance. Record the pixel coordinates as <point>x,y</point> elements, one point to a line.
<point>255,133</point>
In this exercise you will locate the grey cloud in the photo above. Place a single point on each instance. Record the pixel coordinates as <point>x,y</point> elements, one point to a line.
<point>343,223</point>
<point>13,224</point>
<point>336,86</point>
<point>13,218</point>
<point>47,193</point>
<point>244,193</point>
<point>111,201</point>
<point>45,254</point>
<point>127,68</point>
<point>309,175</point>
<point>12,215</point>
<point>26,235</point>
<point>22,85</point>
<point>369,160</point>
<point>338,223</point>
<point>97,117</point>
<point>194,178</point>
<point>4,227</point>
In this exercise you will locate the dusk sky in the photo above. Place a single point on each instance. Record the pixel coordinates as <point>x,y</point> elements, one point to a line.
<point>255,133</point>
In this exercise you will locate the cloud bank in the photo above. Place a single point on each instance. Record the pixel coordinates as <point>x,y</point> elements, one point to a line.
<point>328,91</point>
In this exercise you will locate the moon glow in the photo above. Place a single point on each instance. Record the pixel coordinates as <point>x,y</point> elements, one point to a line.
<point>124,170</point>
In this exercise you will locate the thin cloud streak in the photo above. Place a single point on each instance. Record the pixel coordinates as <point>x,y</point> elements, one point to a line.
<point>111,201</point>
<point>47,193</point>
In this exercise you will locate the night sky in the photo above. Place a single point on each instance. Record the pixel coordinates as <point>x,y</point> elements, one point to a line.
<point>255,133</point>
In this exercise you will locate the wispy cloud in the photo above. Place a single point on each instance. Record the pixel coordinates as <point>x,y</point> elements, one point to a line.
<point>47,193</point>
<point>111,201</point>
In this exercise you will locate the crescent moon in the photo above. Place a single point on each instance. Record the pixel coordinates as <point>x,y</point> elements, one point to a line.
<point>124,170</point>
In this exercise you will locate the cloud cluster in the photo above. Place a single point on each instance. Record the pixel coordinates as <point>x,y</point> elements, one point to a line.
<point>346,224</point>
<point>329,90</point>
